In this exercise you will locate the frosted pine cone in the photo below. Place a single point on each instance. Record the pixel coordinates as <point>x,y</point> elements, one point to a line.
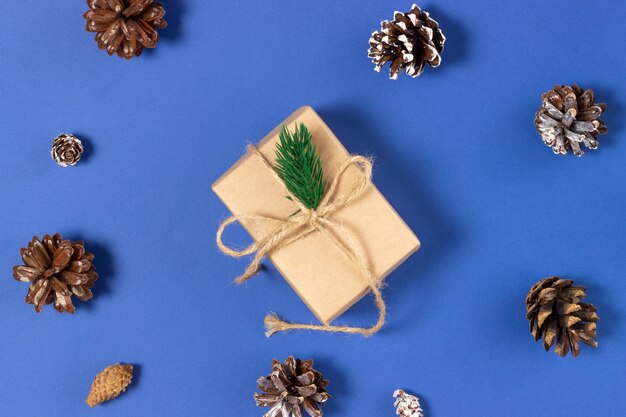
<point>292,387</point>
<point>556,312</point>
<point>66,150</point>
<point>410,41</point>
<point>109,383</point>
<point>407,405</point>
<point>569,118</point>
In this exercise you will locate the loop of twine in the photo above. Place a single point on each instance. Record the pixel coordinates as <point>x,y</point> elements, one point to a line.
<point>302,223</point>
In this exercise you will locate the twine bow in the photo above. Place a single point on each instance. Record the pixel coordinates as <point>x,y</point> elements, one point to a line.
<point>303,222</point>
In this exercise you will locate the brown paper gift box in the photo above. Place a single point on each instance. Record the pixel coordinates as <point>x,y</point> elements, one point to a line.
<point>318,272</point>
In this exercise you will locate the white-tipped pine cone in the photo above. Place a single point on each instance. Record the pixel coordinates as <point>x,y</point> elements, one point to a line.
<point>407,405</point>
<point>409,41</point>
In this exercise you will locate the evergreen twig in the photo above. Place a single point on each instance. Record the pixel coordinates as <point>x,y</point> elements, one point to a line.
<point>299,165</point>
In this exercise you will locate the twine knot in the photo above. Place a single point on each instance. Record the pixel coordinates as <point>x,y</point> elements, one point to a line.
<point>304,221</point>
<point>313,218</point>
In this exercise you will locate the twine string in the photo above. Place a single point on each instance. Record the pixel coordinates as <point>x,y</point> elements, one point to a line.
<point>304,222</point>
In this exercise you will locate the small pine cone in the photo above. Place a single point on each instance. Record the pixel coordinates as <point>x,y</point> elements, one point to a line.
<point>66,149</point>
<point>109,383</point>
<point>407,405</point>
<point>410,41</point>
<point>125,27</point>
<point>57,270</point>
<point>292,387</point>
<point>556,312</point>
<point>569,117</point>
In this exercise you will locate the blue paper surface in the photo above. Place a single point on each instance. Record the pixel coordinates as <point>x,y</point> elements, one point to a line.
<point>456,153</point>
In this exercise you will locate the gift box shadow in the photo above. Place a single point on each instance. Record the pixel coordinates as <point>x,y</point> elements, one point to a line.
<point>408,189</point>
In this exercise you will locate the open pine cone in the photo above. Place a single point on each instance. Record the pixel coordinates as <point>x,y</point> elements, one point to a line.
<point>410,41</point>
<point>292,387</point>
<point>556,313</point>
<point>57,269</point>
<point>66,150</point>
<point>125,27</point>
<point>569,118</point>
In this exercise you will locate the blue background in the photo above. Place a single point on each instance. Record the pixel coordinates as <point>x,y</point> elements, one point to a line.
<point>456,154</point>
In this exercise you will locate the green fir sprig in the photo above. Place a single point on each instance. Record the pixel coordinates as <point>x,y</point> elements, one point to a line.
<point>299,166</point>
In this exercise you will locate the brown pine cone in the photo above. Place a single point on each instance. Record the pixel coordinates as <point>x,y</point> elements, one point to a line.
<point>125,27</point>
<point>556,312</point>
<point>57,269</point>
<point>66,150</point>
<point>292,387</point>
<point>109,383</point>
<point>410,41</point>
<point>569,117</point>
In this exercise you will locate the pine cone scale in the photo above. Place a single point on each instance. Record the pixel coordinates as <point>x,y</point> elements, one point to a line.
<point>26,273</point>
<point>62,257</point>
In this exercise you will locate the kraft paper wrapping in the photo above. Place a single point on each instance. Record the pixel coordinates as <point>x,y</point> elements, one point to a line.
<point>318,272</point>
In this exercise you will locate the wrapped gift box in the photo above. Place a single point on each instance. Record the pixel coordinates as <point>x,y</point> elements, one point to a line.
<point>317,271</point>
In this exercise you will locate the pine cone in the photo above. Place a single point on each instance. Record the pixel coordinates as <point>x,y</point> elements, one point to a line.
<point>569,117</point>
<point>407,405</point>
<point>66,150</point>
<point>109,383</point>
<point>125,27</point>
<point>410,41</point>
<point>556,312</point>
<point>56,270</point>
<point>292,387</point>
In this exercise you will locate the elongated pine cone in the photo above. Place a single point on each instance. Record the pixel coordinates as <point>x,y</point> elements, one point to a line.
<point>409,41</point>
<point>57,269</point>
<point>109,383</point>
<point>407,405</point>
<point>556,313</point>
<point>125,27</point>
<point>66,150</point>
<point>569,118</point>
<point>292,386</point>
